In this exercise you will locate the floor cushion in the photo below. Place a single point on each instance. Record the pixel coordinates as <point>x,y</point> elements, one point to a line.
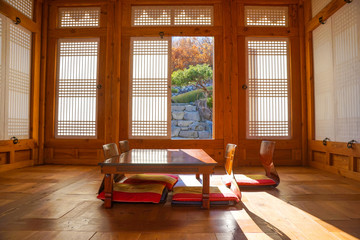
<point>150,192</point>
<point>250,180</point>
<point>188,191</point>
<point>168,179</point>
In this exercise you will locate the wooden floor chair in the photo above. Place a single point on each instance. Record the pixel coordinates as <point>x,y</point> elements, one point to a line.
<point>271,177</point>
<point>168,179</point>
<point>127,192</point>
<point>191,192</point>
<point>110,150</point>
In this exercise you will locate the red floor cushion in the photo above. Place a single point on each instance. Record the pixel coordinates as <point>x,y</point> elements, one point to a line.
<point>250,180</point>
<point>152,192</point>
<point>194,194</point>
<point>167,179</point>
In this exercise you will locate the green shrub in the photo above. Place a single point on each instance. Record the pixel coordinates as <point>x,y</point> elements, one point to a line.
<point>174,90</point>
<point>209,102</point>
<point>191,96</point>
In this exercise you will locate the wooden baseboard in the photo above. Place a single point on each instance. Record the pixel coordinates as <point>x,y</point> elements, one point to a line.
<point>90,162</point>
<point>335,170</point>
<point>11,166</point>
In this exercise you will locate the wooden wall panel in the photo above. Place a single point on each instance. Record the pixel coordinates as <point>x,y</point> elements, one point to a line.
<point>335,157</point>
<point>64,154</point>
<point>88,153</point>
<point>319,157</point>
<point>4,158</point>
<point>340,161</point>
<point>73,156</point>
<point>25,153</point>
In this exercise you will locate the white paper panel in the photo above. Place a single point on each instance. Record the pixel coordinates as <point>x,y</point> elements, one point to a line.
<point>346,42</point>
<point>2,79</point>
<point>318,5</point>
<point>266,16</point>
<point>193,15</point>
<point>149,88</point>
<point>324,84</point>
<point>268,89</point>
<point>19,79</point>
<point>337,71</point>
<point>79,17</point>
<point>76,88</point>
<point>24,6</point>
<point>172,15</point>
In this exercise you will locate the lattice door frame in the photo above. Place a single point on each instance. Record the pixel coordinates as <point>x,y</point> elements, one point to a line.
<point>169,40</point>
<point>288,87</point>
<point>11,75</point>
<point>57,87</point>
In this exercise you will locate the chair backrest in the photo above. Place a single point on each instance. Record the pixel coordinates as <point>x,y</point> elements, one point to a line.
<point>234,187</point>
<point>229,158</point>
<point>266,157</point>
<point>110,150</point>
<point>124,146</point>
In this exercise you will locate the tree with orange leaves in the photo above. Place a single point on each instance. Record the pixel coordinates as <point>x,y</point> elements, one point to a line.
<point>191,51</point>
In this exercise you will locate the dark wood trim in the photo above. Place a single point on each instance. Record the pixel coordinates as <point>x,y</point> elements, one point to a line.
<point>325,13</point>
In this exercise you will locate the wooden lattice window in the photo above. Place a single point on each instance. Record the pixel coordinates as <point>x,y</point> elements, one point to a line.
<point>2,79</point>
<point>336,75</point>
<point>24,6</point>
<point>266,16</point>
<point>79,17</point>
<point>76,88</point>
<point>15,80</point>
<point>268,88</point>
<point>150,88</point>
<point>172,15</point>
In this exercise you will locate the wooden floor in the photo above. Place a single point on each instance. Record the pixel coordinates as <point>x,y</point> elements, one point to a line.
<point>59,202</point>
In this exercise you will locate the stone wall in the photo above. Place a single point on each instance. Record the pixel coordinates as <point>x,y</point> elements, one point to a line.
<point>186,122</point>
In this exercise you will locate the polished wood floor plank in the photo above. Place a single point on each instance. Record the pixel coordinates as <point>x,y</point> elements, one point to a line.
<point>177,236</point>
<point>59,202</point>
<point>60,235</point>
<point>115,236</point>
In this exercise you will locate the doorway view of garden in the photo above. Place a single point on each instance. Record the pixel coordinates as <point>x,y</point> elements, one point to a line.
<point>192,87</point>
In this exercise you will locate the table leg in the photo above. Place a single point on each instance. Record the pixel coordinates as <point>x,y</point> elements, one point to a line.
<point>206,191</point>
<point>108,190</point>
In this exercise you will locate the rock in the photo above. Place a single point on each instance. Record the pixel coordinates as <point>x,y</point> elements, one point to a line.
<point>184,123</point>
<point>194,125</point>
<point>204,134</point>
<point>193,116</point>
<point>203,110</point>
<point>178,115</point>
<point>174,123</point>
<point>190,108</point>
<point>175,131</point>
<point>188,134</point>
<point>177,108</point>
<point>198,126</point>
<point>207,114</point>
<point>185,129</point>
<point>208,126</point>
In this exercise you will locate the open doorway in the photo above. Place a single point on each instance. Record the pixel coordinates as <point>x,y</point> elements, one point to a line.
<point>192,85</point>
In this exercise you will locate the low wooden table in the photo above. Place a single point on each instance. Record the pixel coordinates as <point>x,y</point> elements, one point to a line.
<point>178,161</point>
